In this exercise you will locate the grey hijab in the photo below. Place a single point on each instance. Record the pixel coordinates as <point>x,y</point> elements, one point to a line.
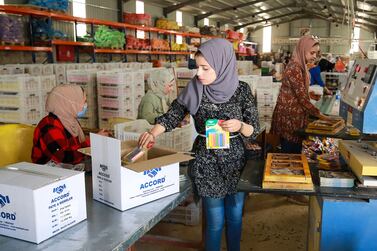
<point>220,56</point>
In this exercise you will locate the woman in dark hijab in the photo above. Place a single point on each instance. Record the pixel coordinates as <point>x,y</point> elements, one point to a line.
<point>215,93</point>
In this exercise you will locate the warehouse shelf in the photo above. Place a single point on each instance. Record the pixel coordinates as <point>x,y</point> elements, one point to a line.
<point>25,48</point>
<point>27,10</point>
<point>118,51</point>
<point>63,17</point>
<point>64,42</point>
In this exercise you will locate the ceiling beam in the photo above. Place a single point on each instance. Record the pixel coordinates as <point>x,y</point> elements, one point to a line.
<point>268,19</point>
<point>202,16</point>
<point>371,21</point>
<point>268,10</point>
<point>364,26</point>
<point>172,8</point>
<point>282,22</point>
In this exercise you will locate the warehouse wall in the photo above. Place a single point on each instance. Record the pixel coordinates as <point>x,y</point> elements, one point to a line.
<point>319,28</point>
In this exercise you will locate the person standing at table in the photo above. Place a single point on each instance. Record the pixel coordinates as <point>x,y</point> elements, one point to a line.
<point>215,93</point>
<point>293,105</point>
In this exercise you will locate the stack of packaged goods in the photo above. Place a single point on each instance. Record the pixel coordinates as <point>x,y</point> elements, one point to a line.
<point>47,82</point>
<point>12,69</point>
<point>87,79</point>
<point>138,19</point>
<point>109,38</point>
<point>39,69</point>
<point>266,100</point>
<point>20,99</point>
<point>245,67</point>
<point>59,5</point>
<point>119,94</point>
<point>12,30</point>
<point>184,75</point>
<point>60,73</point>
<point>166,24</point>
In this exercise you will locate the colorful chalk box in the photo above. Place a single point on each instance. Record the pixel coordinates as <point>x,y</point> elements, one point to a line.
<point>216,137</point>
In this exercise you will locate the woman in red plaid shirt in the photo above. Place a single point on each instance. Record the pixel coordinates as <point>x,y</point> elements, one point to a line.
<point>59,135</point>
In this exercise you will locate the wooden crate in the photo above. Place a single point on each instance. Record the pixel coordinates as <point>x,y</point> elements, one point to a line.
<point>287,171</point>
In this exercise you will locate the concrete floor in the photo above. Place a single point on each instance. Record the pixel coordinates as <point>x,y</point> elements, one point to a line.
<point>270,223</point>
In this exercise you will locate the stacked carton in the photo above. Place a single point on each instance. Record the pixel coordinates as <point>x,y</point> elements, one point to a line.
<point>19,99</point>
<point>119,94</point>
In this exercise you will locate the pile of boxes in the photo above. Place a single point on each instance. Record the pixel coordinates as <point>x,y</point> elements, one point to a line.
<point>119,94</point>
<point>22,97</point>
<point>266,93</point>
<point>184,75</point>
<point>245,67</point>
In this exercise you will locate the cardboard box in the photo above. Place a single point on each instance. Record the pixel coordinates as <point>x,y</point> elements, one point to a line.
<point>126,186</point>
<point>37,202</point>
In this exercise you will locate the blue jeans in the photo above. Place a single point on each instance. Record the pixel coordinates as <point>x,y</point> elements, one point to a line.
<point>290,147</point>
<point>218,211</point>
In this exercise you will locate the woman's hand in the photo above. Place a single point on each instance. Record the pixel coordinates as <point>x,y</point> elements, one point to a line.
<point>328,118</point>
<point>104,132</point>
<point>146,140</point>
<point>232,125</point>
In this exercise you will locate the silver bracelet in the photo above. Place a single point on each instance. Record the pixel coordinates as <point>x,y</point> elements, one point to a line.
<point>242,123</point>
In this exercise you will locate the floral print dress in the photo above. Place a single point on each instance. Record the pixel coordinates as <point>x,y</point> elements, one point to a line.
<point>216,172</point>
<point>293,105</point>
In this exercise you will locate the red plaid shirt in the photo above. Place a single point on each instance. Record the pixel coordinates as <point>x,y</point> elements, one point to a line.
<point>53,142</point>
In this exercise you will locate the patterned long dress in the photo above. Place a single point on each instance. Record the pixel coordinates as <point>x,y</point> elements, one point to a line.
<point>216,172</point>
<point>293,105</point>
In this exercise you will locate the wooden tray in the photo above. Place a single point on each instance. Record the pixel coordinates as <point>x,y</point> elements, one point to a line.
<point>287,171</point>
<point>325,124</point>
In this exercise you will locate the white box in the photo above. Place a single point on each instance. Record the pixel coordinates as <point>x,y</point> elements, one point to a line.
<point>127,186</point>
<point>37,202</point>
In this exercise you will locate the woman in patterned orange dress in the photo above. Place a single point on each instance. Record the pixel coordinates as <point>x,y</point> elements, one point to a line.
<point>293,105</point>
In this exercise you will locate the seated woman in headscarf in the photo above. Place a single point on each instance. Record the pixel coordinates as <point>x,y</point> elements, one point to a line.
<point>59,135</point>
<point>156,100</point>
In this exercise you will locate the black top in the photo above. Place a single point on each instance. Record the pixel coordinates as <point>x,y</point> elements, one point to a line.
<point>216,172</point>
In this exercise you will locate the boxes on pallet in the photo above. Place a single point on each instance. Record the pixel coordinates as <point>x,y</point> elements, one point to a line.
<point>17,83</point>
<point>111,66</point>
<point>147,65</point>
<point>251,80</point>
<point>38,202</point>
<point>124,112</point>
<point>126,186</point>
<point>60,74</point>
<point>34,69</point>
<point>82,66</point>
<point>182,82</point>
<point>179,139</point>
<point>245,67</point>
<point>20,115</point>
<point>47,83</point>
<point>115,78</point>
<point>12,69</point>
<point>47,69</point>
<point>139,89</point>
<point>70,67</point>
<point>189,214</point>
<point>265,111</point>
<point>120,103</point>
<point>31,100</point>
<point>115,90</point>
<point>185,73</point>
